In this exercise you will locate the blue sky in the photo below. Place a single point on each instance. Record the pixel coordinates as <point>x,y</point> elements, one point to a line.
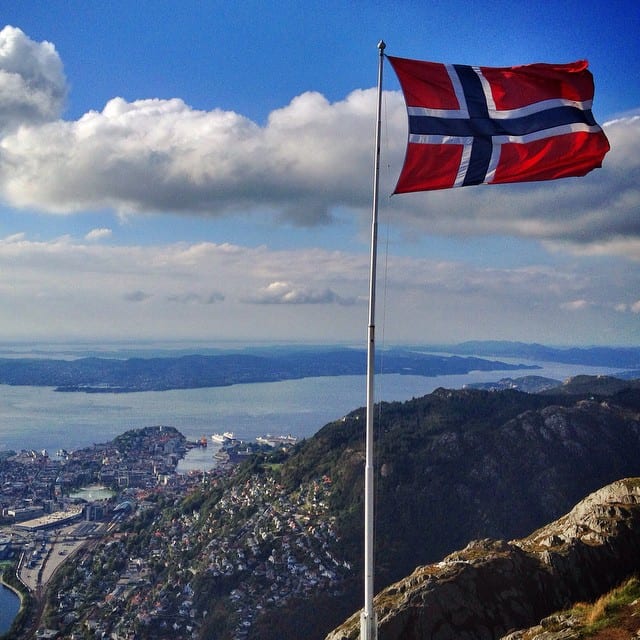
<point>202,170</point>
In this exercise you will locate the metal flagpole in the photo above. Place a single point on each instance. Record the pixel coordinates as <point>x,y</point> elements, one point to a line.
<point>368,622</point>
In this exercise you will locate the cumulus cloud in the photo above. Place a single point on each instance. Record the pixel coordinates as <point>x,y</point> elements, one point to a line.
<point>161,155</point>
<point>98,234</point>
<point>309,158</point>
<point>288,293</point>
<point>32,82</point>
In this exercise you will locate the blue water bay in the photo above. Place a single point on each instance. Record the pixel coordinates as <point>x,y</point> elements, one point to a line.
<point>41,418</point>
<point>9,607</point>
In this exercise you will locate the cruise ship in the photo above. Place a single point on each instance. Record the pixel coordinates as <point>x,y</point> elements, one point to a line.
<point>221,438</point>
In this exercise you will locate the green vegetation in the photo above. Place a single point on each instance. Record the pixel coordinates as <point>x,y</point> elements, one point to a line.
<point>607,610</point>
<point>613,616</point>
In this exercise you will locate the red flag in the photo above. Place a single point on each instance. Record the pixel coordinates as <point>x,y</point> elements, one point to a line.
<point>488,125</point>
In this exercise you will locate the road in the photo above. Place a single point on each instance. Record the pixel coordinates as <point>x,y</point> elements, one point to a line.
<point>41,559</point>
<point>36,570</point>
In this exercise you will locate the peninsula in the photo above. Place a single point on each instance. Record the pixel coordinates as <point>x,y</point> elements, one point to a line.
<point>191,371</point>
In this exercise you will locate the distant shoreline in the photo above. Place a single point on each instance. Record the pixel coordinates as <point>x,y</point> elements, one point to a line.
<point>134,375</point>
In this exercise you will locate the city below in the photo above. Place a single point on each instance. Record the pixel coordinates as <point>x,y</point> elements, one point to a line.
<point>54,506</point>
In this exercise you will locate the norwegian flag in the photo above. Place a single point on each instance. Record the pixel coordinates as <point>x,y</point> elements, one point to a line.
<point>488,125</point>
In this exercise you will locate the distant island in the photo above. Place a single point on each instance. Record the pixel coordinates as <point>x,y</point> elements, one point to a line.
<point>116,375</point>
<point>594,356</point>
<point>161,370</point>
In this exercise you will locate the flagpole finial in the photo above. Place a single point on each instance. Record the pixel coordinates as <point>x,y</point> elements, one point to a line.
<point>382,46</point>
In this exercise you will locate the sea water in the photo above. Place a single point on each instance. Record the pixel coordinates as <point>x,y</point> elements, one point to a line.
<point>40,418</point>
<point>9,607</point>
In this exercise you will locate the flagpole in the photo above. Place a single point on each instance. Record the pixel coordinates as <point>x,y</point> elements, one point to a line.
<point>368,621</point>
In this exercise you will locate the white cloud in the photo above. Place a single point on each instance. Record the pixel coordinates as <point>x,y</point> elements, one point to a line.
<point>288,293</point>
<point>624,307</point>
<point>98,234</point>
<point>101,290</point>
<point>161,155</point>
<point>574,305</point>
<point>32,82</point>
<point>628,247</point>
<point>311,156</point>
<point>15,237</point>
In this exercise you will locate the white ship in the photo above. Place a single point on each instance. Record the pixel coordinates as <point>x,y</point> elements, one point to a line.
<point>221,438</point>
<point>277,441</point>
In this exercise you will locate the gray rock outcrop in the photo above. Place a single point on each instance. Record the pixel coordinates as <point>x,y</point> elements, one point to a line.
<point>491,588</point>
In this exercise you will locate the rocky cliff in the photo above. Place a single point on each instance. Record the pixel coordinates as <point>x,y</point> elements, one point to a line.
<point>491,588</point>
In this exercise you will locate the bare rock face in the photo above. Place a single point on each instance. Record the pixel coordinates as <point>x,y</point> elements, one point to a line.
<point>491,588</point>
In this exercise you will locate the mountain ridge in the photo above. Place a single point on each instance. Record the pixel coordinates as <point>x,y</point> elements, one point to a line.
<point>462,464</point>
<point>491,586</point>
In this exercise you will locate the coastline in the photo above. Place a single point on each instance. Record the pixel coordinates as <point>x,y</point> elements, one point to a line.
<point>300,407</point>
<point>19,594</point>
